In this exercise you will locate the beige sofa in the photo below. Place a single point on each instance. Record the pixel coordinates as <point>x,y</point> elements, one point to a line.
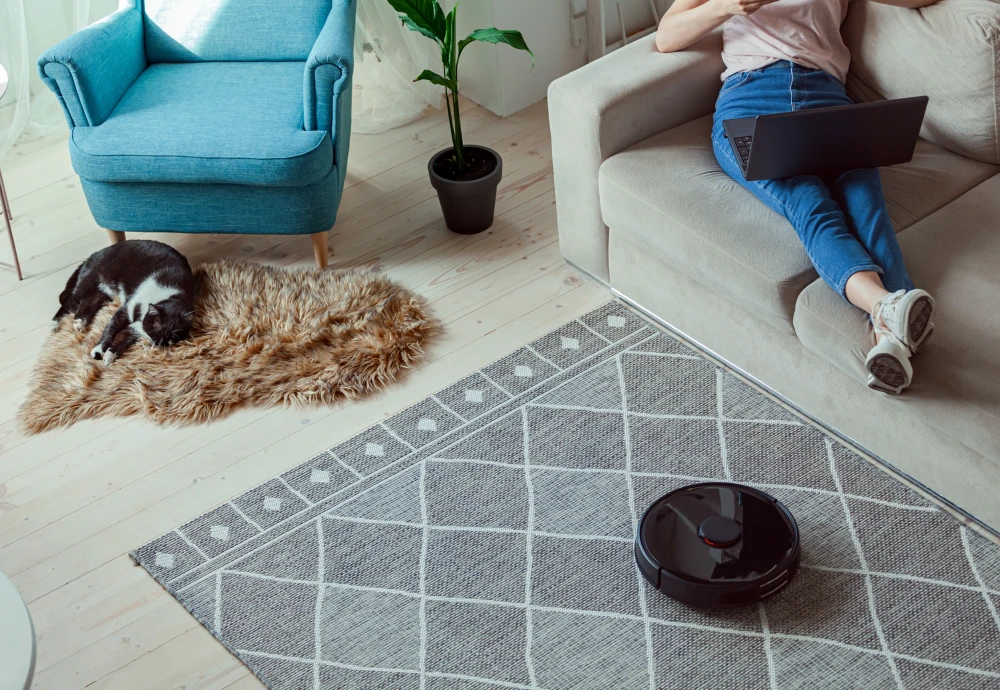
<point>643,206</point>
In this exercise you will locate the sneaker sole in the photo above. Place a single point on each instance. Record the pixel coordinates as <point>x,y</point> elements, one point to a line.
<point>917,322</point>
<point>887,375</point>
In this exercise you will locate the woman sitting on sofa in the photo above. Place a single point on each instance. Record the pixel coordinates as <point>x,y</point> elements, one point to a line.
<point>784,55</point>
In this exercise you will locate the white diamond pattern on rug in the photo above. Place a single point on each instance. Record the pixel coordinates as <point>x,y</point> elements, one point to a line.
<point>500,553</point>
<point>424,422</point>
<point>220,532</point>
<point>569,343</point>
<point>523,372</point>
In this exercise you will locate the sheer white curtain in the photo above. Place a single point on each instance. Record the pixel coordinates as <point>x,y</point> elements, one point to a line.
<point>387,58</point>
<point>27,29</point>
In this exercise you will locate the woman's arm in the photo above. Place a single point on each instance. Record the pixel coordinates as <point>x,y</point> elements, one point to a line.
<point>688,20</point>
<point>911,4</point>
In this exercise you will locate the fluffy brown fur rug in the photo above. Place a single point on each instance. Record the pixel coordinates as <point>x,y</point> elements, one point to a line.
<point>262,336</point>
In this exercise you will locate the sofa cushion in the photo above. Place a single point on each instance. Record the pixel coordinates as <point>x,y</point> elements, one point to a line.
<point>955,255</point>
<point>669,195</point>
<point>933,178</point>
<point>193,30</point>
<point>229,122</point>
<point>949,51</point>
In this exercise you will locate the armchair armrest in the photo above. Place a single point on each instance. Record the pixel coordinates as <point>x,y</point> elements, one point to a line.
<point>91,70</point>
<point>329,68</point>
<point>607,106</point>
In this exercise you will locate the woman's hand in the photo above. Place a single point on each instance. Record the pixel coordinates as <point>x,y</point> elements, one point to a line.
<point>744,8</point>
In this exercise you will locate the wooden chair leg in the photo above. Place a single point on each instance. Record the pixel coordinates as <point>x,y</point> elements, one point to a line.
<point>116,236</point>
<point>320,248</point>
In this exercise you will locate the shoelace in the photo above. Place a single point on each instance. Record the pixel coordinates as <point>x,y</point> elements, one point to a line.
<point>887,303</point>
<point>879,325</point>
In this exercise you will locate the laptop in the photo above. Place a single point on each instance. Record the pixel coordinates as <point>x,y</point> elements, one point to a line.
<point>821,141</point>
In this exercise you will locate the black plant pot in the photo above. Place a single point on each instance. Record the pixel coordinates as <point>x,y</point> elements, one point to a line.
<point>467,205</point>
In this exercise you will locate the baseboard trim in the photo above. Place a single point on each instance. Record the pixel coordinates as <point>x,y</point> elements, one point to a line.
<point>960,513</point>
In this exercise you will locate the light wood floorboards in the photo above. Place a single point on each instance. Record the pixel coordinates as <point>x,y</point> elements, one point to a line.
<point>73,502</point>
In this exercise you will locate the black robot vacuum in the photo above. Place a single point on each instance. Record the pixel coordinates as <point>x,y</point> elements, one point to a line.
<point>717,545</point>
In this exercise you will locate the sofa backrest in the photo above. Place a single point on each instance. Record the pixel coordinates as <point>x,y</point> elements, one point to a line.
<point>949,51</point>
<point>232,30</point>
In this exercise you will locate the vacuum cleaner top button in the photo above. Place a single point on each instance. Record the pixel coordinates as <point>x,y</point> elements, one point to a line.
<point>719,531</point>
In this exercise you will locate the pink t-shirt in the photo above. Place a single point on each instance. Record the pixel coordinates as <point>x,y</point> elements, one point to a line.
<point>806,32</point>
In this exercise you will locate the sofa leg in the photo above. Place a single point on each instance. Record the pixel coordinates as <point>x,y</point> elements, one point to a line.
<point>116,236</point>
<point>320,249</point>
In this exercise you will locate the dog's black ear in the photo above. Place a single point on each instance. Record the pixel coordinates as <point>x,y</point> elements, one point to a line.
<point>153,311</point>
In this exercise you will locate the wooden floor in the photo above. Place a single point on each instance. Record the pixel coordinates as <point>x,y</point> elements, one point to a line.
<point>72,503</point>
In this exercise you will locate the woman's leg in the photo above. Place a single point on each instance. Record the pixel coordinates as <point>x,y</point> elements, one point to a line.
<point>828,222</point>
<point>807,203</point>
<point>864,290</point>
<point>859,193</point>
<point>906,312</point>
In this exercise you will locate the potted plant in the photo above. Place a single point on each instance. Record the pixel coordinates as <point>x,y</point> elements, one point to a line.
<point>465,177</point>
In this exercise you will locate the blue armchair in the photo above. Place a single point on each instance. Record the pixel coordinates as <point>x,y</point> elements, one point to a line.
<point>221,116</point>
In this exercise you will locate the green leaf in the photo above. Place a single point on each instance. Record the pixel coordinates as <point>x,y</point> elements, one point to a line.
<point>422,16</point>
<point>512,38</point>
<point>448,55</point>
<point>435,78</point>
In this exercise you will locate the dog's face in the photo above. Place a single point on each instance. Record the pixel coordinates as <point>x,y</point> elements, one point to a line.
<point>166,324</point>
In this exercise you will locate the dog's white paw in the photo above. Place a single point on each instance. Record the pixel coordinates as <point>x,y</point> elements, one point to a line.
<point>77,324</point>
<point>54,325</point>
<point>109,358</point>
<point>97,352</point>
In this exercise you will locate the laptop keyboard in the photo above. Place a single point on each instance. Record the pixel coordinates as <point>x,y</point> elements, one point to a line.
<point>743,146</point>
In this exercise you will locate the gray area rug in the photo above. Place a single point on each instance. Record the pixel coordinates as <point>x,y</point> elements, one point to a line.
<point>483,538</point>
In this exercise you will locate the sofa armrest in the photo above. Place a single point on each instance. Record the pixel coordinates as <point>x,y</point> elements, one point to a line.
<point>327,86</point>
<point>90,71</point>
<point>609,105</point>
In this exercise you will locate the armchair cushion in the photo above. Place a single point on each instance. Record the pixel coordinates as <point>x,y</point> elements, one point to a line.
<point>91,70</point>
<point>207,122</point>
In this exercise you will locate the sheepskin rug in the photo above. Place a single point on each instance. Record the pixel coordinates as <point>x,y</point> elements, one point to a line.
<point>262,335</point>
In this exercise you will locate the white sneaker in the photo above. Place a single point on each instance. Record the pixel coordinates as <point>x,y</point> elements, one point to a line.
<point>888,365</point>
<point>907,314</point>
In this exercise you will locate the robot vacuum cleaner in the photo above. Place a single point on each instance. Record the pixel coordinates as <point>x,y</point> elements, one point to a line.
<point>717,545</point>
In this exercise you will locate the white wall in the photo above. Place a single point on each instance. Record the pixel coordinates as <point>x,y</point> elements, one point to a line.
<point>478,71</point>
<point>545,26</point>
<point>497,77</point>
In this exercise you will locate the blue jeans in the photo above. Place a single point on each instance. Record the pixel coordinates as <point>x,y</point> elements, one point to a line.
<point>842,219</point>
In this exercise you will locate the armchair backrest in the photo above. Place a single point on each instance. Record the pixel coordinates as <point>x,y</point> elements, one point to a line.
<point>231,30</point>
<point>949,51</point>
